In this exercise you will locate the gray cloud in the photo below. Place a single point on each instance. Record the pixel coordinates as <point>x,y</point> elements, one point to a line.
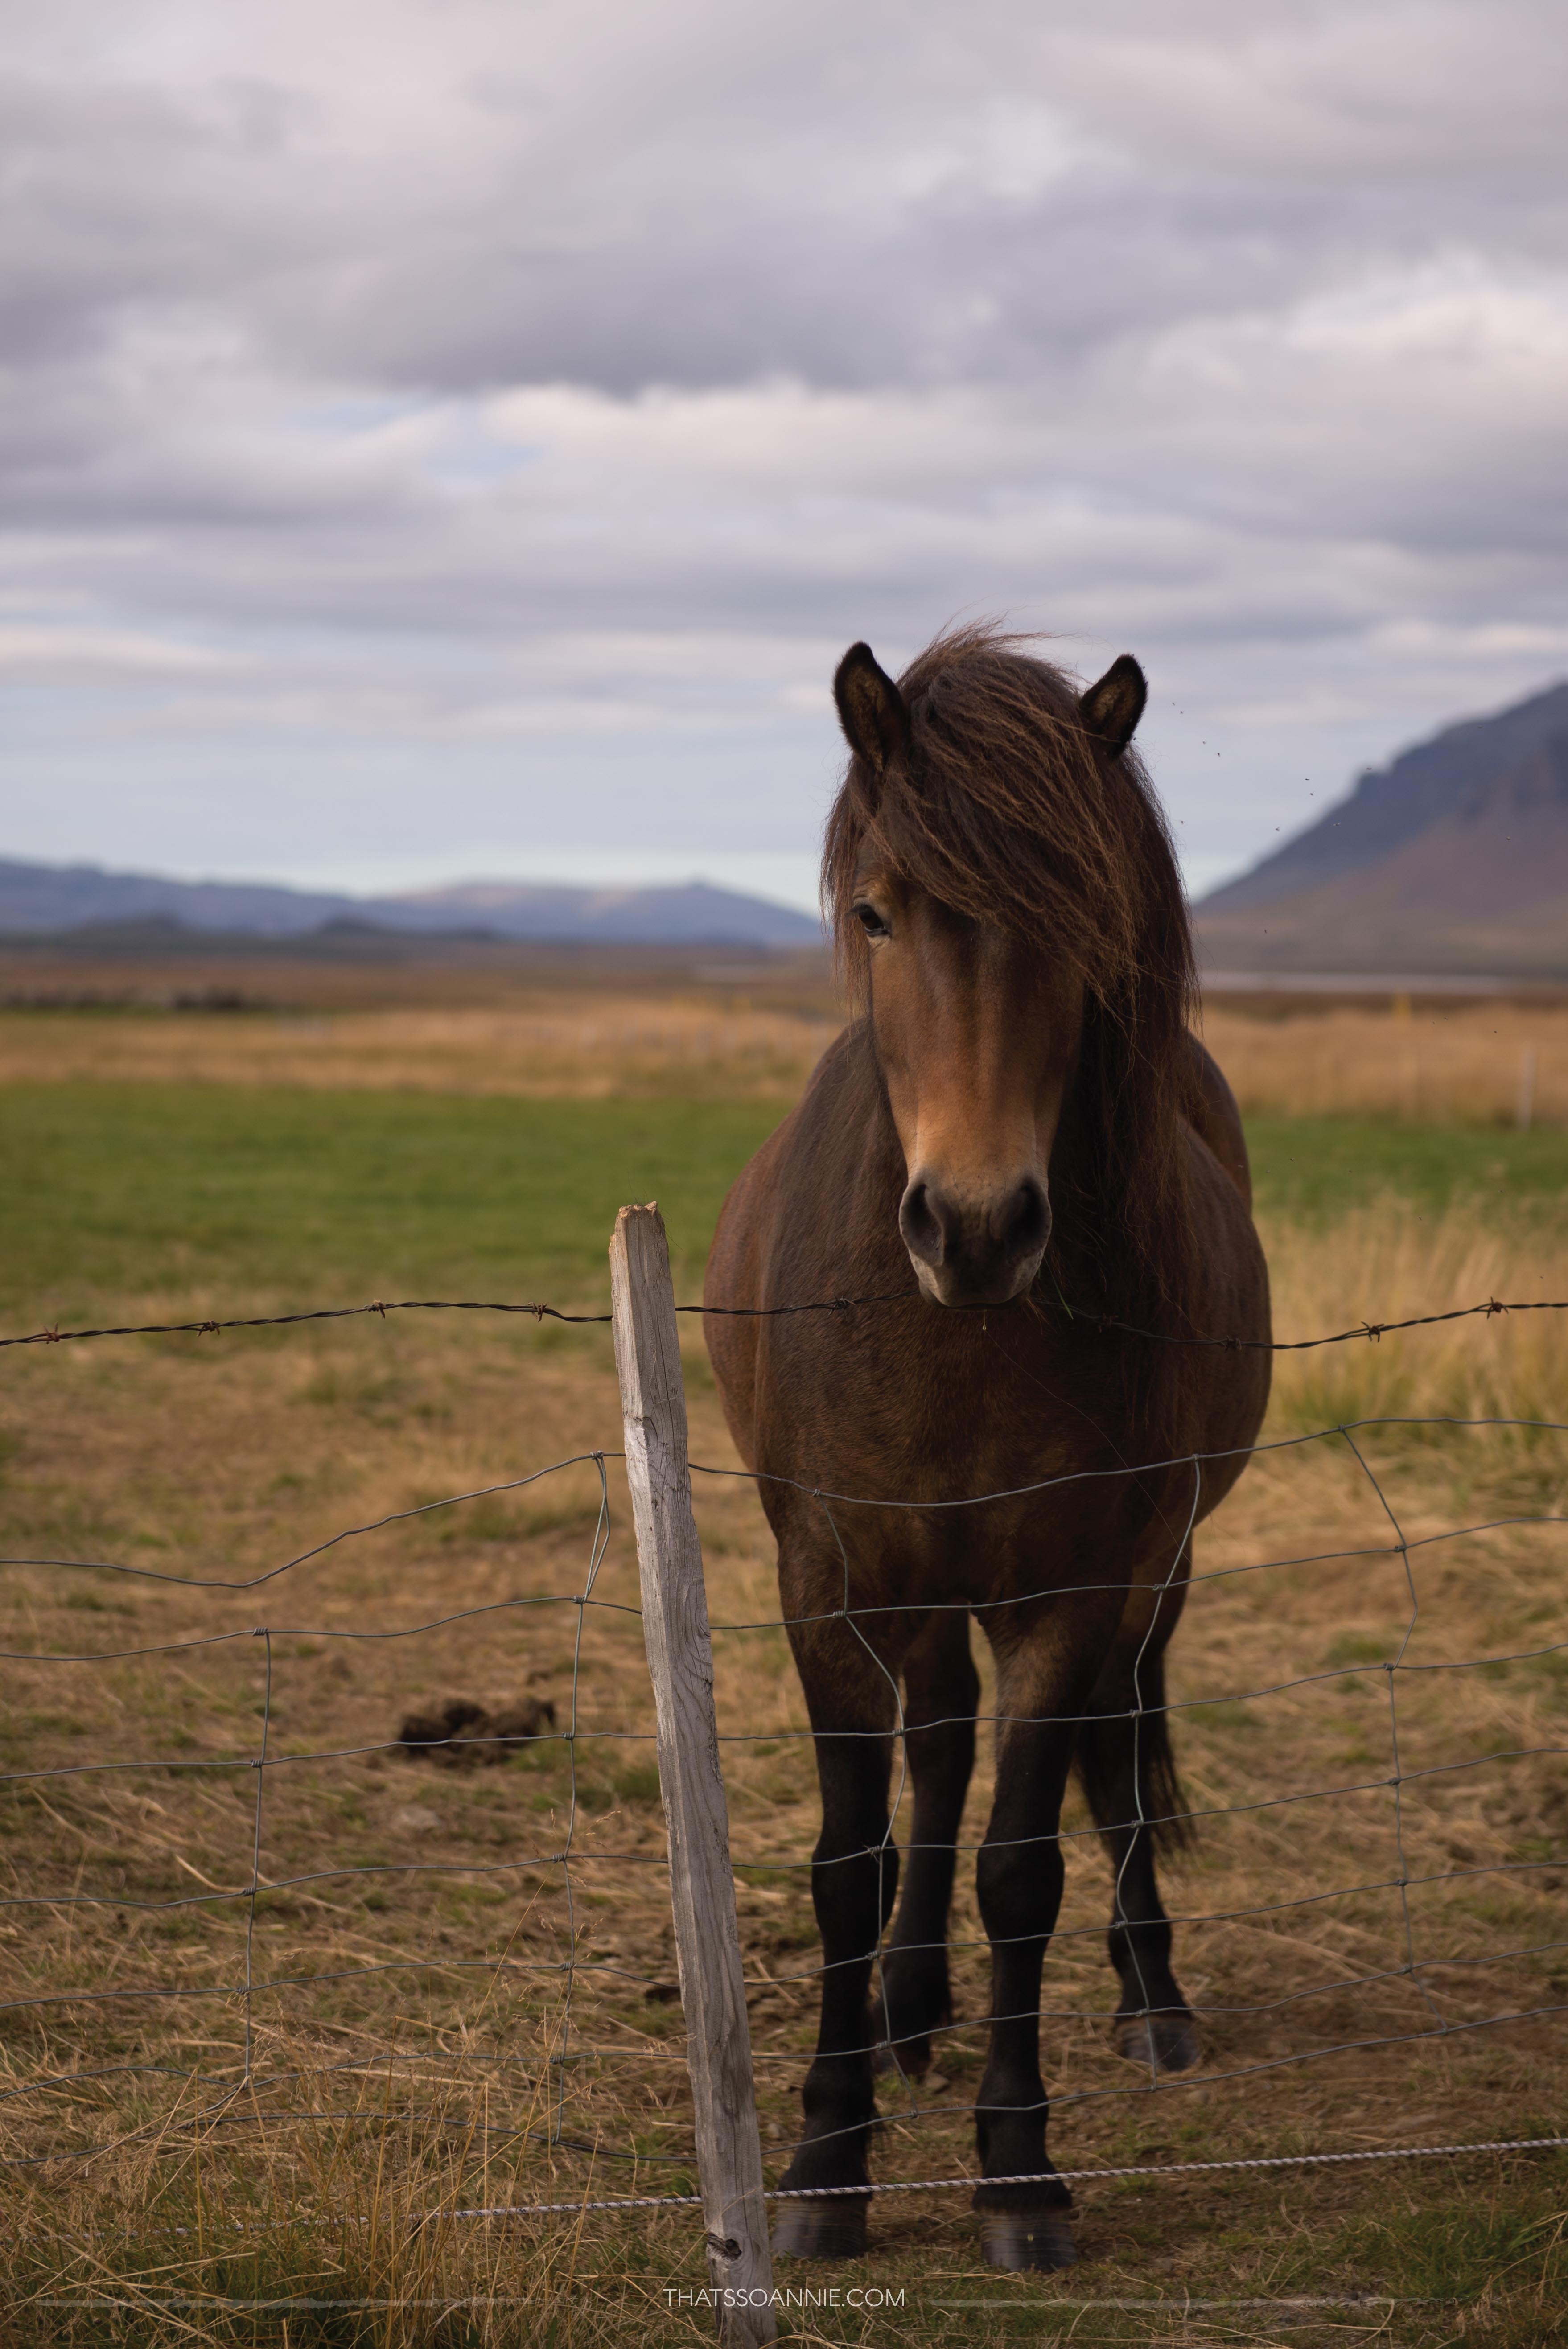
<point>507,398</point>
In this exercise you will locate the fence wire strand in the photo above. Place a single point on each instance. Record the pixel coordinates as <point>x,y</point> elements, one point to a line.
<point>1105,1323</point>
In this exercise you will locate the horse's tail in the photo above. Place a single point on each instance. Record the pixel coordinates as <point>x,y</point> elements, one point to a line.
<point>1107,1747</point>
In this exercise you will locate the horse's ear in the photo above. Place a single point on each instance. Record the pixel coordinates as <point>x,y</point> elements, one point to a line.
<point>870,709</point>
<point>1111,709</point>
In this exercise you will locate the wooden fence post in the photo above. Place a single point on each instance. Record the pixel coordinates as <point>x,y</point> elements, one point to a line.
<point>701,1884</point>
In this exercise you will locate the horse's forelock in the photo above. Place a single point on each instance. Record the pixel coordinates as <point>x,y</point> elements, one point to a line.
<point>1006,812</point>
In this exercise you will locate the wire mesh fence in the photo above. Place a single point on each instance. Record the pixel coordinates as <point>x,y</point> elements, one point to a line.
<point>224,1921</point>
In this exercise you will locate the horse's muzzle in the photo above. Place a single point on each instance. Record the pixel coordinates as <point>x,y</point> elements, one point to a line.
<point>975,1251</point>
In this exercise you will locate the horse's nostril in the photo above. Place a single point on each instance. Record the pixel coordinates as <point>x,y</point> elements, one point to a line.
<point>1023,1222</point>
<point>973,1243</point>
<point>921,1232</point>
<point>926,1230</point>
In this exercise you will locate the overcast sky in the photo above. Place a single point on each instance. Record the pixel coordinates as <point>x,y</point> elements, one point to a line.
<point>447,437</point>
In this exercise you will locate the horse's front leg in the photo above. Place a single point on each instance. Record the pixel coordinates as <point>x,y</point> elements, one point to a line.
<point>1020,1878</point>
<point>941,1690</point>
<point>854,1875</point>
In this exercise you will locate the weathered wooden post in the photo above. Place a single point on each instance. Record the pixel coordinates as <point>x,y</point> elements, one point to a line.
<point>701,1885</point>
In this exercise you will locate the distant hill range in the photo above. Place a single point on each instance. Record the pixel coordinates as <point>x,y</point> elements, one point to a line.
<point>1452,859</point>
<point>83,905</point>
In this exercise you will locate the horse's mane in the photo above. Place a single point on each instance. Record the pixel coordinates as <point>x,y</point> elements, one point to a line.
<point>1009,812</point>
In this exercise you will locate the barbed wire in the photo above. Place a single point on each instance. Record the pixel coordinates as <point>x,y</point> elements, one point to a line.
<point>214,1326</point>
<point>1488,1311</point>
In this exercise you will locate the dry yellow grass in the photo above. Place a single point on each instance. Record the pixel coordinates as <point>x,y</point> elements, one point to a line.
<point>587,1047</point>
<point>1433,1066</point>
<point>1422,1065</point>
<point>1387,1263</point>
<point>380,2093</point>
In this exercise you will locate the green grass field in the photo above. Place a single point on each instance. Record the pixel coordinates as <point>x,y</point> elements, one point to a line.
<point>122,1191</point>
<point>118,1190</point>
<point>1316,1168</point>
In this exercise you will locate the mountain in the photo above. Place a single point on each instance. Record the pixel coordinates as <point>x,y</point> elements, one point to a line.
<point>1454,857</point>
<point>56,900</point>
<point>691,913</point>
<point>48,897</point>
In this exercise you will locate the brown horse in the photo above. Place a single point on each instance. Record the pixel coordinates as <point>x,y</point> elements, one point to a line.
<point>1021,1124</point>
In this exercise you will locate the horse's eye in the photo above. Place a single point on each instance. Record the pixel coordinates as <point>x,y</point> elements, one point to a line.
<point>871,921</point>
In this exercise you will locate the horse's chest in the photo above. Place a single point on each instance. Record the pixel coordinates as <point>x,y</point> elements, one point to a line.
<point>981,1407</point>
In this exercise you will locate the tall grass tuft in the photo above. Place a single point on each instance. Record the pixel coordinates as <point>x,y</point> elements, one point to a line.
<point>1387,1263</point>
<point>345,2220</point>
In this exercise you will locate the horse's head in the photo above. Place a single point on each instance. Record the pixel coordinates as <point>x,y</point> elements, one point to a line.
<point>976,1009</point>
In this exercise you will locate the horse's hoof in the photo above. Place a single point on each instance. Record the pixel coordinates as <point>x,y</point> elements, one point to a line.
<point>829,2230</point>
<point>1027,2239</point>
<point>1159,2043</point>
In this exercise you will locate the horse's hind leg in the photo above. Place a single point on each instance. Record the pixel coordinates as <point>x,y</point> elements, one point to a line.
<point>941,1690</point>
<point>854,1876</point>
<point>1129,1778</point>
